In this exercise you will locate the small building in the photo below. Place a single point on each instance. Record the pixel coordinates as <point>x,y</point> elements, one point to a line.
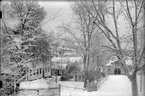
<point>115,67</point>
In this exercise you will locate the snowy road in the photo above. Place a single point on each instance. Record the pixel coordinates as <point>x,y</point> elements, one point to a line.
<point>115,85</point>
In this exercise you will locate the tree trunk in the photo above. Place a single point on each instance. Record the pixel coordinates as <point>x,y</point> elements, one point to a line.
<point>134,86</point>
<point>55,78</point>
<point>85,79</point>
<point>43,73</point>
<point>143,93</point>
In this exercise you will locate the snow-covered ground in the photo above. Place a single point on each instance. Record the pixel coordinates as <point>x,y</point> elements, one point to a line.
<point>38,84</point>
<point>115,85</point>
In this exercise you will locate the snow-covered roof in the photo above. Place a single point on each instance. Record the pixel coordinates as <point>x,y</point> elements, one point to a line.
<point>110,63</point>
<point>128,62</point>
<point>65,59</point>
<point>29,65</point>
<point>69,53</point>
<point>59,66</point>
<point>73,59</point>
<point>67,49</point>
<point>8,71</point>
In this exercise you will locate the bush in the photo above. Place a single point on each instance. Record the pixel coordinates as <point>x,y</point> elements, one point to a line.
<point>65,78</point>
<point>8,86</point>
<point>90,75</point>
<point>103,74</point>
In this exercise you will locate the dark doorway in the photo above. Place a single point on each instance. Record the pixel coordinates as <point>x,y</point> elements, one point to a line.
<point>117,71</point>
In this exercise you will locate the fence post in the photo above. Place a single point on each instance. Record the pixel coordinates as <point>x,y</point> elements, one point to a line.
<point>37,92</point>
<point>56,78</point>
<point>97,86</point>
<point>59,90</point>
<point>88,86</point>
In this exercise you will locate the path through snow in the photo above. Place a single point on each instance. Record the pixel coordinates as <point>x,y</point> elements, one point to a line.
<point>115,85</point>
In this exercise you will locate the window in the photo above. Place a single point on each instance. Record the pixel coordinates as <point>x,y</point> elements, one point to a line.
<point>34,73</point>
<point>46,69</point>
<point>40,70</point>
<point>37,71</point>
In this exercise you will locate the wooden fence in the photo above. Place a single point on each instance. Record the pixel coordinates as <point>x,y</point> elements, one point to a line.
<point>96,85</point>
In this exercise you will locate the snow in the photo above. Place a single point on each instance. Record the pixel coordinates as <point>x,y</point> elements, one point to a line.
<point>110,63</point>
<point>129,62</point>
<point>10,72</point>
<point>36,84</point>
<point>115,85</point>
<point>71,85</point>
<point>59,66</point>
<point>65,59</point>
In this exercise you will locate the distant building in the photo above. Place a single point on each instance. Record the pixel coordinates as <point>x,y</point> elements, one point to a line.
<point>114,67</point>
<point>64,56</point>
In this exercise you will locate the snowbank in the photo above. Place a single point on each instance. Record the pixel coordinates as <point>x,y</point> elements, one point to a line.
<point>37,84</point>
<point>72,84</point>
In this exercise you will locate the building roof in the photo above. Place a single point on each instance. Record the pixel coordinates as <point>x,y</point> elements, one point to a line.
<point>59,66</point>
<point>10,72</point>
<point>65,59</point>
<point>128,62</point>
<point>109,63</point>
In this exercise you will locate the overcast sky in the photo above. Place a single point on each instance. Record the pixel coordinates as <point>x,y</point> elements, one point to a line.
<point>52,7</point>
<point>65,15</point>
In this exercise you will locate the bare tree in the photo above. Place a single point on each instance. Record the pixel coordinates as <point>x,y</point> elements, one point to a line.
<point>132,11</point>
<point>83,35</point>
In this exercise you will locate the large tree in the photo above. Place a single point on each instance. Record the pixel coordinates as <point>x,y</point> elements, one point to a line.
<point>23,40</point>
<point>27,32</point>
<point>107,13</point>
<point>83,36</point>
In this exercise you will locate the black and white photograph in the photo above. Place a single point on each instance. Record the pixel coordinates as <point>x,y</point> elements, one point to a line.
<point>72,48</point>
